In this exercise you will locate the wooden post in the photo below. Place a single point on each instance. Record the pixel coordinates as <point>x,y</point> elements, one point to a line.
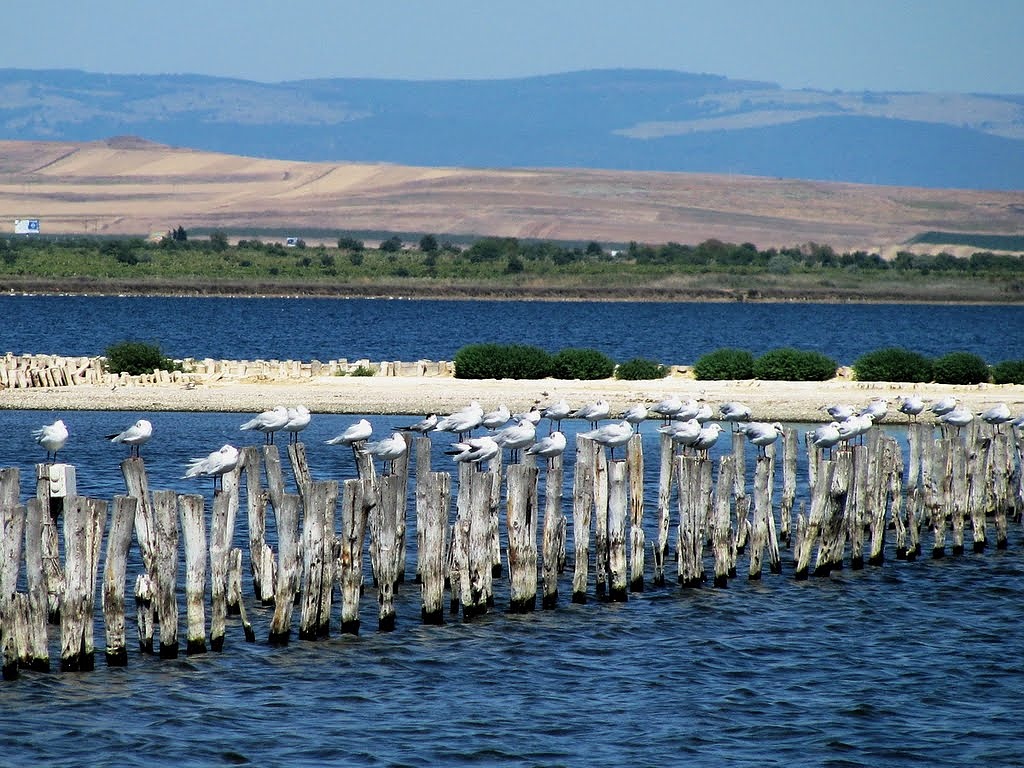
<point>1002,470</point>
<point>54,485</point>
<point>479,561</point>
<point>12,528</point>
<point>856,501</point>
<point>722,536</point>
<point>600,522</point>
<point>423,499</point>
<point>742,502</point>
<point>383,520</point>
<point>617,575</point>
<point>554,533</point>
<point>35,582</point>
<point>836,525</point>
<point>521,519</point>
<point>193,528</point>
<point>935,473</point>
<point>83,529</point>
<point>887,490</point>
<point>689,540</point>
<point>979,451</point>
<point>300,468</point>
<point>145,594</point>
<point>318,562</point>
<point>637,541</point>
<point>458,554</point>
<point>235,592</point>
<point>357,498</point>
<point>665,475</point>
<point>762,511</point>
<point>256,507</point>
<point>220,548</point>
<point>825,468</point>
<point>133,470</point>
<point>166,534</point>
<point>288,569</point>
<point>275,477</point>
<point>435,489</point>
<point>958,492</point>
<point>789,454</point>
<point>582,505</point>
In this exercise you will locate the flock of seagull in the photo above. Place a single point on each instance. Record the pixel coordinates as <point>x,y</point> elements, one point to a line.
<point>691,424</point>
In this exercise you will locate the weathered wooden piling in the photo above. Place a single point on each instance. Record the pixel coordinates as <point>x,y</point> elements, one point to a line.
<point>693,478</point>
<point>145,610</point>
<point>83,531</point>
<point>665,476</point>
<point>836,523</point>
<point>260,555</point>
<point>521,520</point>
<point>582,507</point>
<point>762,511</point>
<point>637,539</point>
<point>978,454</point>
<point>119,539</point>
<point>618,581</point>
<point>856,501</point>
<point>166,534</point>
<point>193,529</point>
<point>133,469</point>
<point>957,494</point>
<point>600,517</point>
<point>739,491</point>
<point>789,454</point>
<point>55,484</point>
<point>318,560</point>
<point>422,450</point>
<point>288,568</point>
<point>723,540</point>
<point>12,529</point>
<point>435,489</point>
<point>553,548</point>
<point>358,499</point>
<point>383,522</point>
<point>221,530</point>
<point>38,653</point>
<point>235,594</point>
<point>810,531</point>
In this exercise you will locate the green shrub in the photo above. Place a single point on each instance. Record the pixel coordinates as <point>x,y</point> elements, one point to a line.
<point>582,364</point>
<point>363,370</point>
<point>960,368</point>
<point>502,361</point>
<point>1008,372</point>
<point>136,357</point>
<point>640,369</point>
<point>893,364</point>
<point>790,364</point>
<point>725,363</point>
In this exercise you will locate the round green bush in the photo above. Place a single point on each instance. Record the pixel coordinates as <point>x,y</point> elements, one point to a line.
<point>725,363</point>
<point>137,357</point>
<point>893,364</point>
<point>1008,372</point>
<point>502,361</point>
<point>960,368</point>
<point>582,364</point>
<point>640,369</point>
<point>790,364</point>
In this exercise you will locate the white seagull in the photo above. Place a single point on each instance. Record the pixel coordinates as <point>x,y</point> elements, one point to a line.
<point>268,422</point>
<point>734,413</point>
<point>707,437</point>
<point>389,449</point>
<point>683,433</point>
<point>298,419</point>
<point>667,408</point>
<point>840,411</point>
<point>475,450</point>
<point>422,426</point>
<point>52,437</point>
<point>594,412</point>
<point>944,406</point>
<point>912,405</point>
<point>533,415</point>
<point>958,417</point>
<point>356,433</point>
<point>496,418</point>
<point>854,427</point>
<point>876,409</point>
<point>826,436</point>
<point>763,434</point>
<point>548,447</point>
<point>520,435</point>
<point>611,435</point>
<point>635,415</point>
<point>216,464</point>
<point>136,435</point>
<point>463,421</point>
<point>556,412</point>
<point>997,415</point>
<point>691,408</point>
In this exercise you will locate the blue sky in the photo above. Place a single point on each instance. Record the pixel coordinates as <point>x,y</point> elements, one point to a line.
<point>920,45</point>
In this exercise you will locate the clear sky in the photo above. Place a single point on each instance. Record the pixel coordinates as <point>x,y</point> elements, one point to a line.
<point>852,45</point>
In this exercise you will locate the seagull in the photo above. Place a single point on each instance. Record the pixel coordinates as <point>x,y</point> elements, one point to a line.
<point>826,436</point>
<point>684,433</point>
<point>997,415</point>
<point>611,435</point>
<point>136,435</point>
<point>734,413</point>
<point>268,422</point>
<point>298,420</point>
<point>876,409</point>
<point>517,436</point>
<point>944,406</point>
<point>762,434</point>
<point>704,413</point>
<point>476,450</point>
<point>389,449</point>
<point>706,438</point>
<point>533,415</point>
<point>422,426</point>
<point>461,422</point>
<point>548,447</point>
<point>840,411</point>
<point>52,437</point>
<point>854,426</point>
<point>496,418</point>
<point>912,405</point>
<point>667,408</point>
<point>689,410</point>
<point>635,415</point>
<point>958,417</point>
<point>357,433</point>
<point>594,412</point>
<point>556,412</point>
<point>216,464</point>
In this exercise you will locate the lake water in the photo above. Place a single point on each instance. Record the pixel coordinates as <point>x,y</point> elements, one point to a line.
<point>906,664</point>
<point>379,329</point>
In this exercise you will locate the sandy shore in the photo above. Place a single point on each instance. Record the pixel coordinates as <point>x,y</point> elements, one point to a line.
<point>769,400</point>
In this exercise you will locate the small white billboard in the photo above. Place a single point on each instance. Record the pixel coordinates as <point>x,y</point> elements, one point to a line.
<point>26,226</point>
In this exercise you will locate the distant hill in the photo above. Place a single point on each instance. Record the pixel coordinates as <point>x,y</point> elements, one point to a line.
<point>606,119</point>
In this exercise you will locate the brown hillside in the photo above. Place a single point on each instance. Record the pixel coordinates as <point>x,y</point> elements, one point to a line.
<point>130,186</point>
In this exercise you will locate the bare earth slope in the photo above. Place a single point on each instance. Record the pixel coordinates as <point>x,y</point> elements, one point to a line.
<point>131,187</point>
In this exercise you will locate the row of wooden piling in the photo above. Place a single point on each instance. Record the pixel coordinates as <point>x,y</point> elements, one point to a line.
<point>316,556</point>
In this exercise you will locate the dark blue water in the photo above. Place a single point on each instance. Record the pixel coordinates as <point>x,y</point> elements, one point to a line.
<point>380,329</point>
<point>900,665</point>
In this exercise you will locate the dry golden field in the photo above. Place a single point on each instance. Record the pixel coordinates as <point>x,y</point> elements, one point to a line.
<point>132,187</point>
